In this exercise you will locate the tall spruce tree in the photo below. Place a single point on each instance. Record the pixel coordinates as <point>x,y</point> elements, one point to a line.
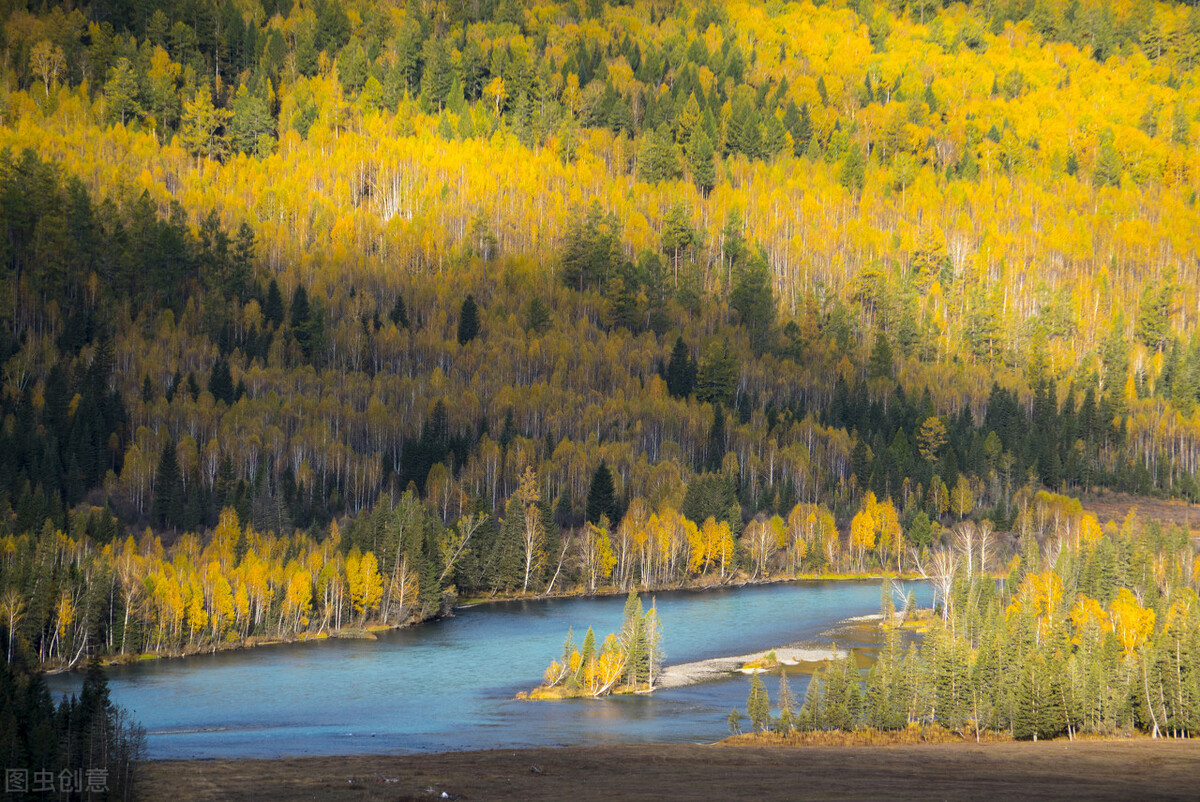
<point>758,705</point>
<point>168,491</point>
<point>787,705</point>
<point>633,641</point>
<point>399,314</point>
<point>468,321</point>
<point>700,156</point>
<point>273,305</point>
<point>681,370</point>
<point>754,300</point>
<point>220,381</point>
<point>601,498</point>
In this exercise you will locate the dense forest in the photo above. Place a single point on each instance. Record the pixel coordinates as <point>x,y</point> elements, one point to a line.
<point>314,315</point>
<point>1098,635</point>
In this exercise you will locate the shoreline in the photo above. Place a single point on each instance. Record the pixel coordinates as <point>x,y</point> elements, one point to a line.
<point>805,657</point>
<point>694,587</point>
<point>369,631</point>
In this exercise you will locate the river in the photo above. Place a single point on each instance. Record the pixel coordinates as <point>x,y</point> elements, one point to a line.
<point>449,685</point>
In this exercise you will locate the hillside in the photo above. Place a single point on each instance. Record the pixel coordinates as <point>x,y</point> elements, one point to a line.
<point>580,295</point>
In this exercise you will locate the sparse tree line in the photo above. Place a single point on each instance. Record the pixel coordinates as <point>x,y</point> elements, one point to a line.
<point>1089,632</point>
<point>66,599</point>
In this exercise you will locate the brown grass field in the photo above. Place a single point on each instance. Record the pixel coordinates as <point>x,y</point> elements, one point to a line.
<point>1115,506</point>
<point>1136,768</point>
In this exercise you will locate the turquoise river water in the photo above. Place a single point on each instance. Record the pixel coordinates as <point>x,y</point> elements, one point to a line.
<point>449,685</point>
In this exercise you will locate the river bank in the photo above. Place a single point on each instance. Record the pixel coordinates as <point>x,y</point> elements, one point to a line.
<point>1134,768</point>
<point>370,632</point>
<point>698,585</point>
<point>243,704</point>
<point>371,629</point>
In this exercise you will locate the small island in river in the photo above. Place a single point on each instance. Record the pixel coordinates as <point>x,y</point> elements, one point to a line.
<point>629,661</point>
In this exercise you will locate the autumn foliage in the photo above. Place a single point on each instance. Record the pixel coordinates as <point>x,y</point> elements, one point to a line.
<point>819,287</point>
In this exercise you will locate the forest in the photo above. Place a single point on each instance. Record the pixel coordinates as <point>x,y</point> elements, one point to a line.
<point>1096,635</point>
<point>320,316</point>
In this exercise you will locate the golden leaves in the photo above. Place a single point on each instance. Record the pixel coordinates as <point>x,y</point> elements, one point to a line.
<point>1040,595</point>
<point>1088,616</point>
<point>1132,623</point>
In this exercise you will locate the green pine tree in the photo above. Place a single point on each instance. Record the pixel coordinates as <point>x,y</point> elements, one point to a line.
<point>168,491</point>
<point>468,321</point>
<point>681,370</point>
<point>700,158</point>
<point>602,499</point>
<point>758,705</point>
<point>1038,699</point>
<point>787,705</point>
<point>633,641</point>
<point>586,652</point>
<point>881,364</point>
<point>273,305</point>
<point>251,128</point>
<point>717,374</point>
<point>754,300</point>
<point>399,313</point>
<point>121,92</point>
<point>1109,164</point>
<point>853,172</point>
